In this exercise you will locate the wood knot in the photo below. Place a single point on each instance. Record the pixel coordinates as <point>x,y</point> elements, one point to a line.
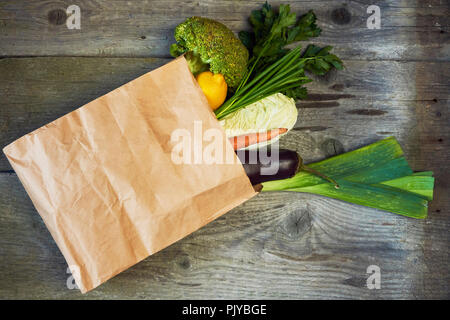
<point>341,16</point>
<point>358,282</point>
<point>297,224</point>
<point>57,17</point>
<point>185,263</point>
<point>337,87</point>
<point>332,147</point>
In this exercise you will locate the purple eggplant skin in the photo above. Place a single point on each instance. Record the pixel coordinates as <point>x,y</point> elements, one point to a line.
<point>264,165</point>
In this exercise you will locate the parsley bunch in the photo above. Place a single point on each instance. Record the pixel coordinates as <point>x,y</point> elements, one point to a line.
<point>274,68</point>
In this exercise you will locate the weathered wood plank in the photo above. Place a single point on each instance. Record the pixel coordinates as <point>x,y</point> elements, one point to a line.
<point>124,28</point>
<point>368,99</point>
<point>308,247</point>
<point>299,246</point>
<point>433,152</point>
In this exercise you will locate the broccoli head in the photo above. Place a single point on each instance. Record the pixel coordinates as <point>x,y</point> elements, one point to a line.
<point>209,44</point>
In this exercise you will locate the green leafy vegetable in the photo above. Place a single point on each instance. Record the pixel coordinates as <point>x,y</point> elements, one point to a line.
<point>272,31</point>
<point>323,61</point>
<point>376,176</point>
<point>273,67</point>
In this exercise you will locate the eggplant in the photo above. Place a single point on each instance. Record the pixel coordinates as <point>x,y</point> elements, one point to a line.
<point>265,164</point>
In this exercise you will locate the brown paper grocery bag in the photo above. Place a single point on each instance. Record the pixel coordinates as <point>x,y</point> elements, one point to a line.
<point>104,182</point>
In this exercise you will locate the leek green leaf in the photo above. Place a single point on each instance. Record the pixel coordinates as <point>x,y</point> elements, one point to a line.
<point>376,176</point>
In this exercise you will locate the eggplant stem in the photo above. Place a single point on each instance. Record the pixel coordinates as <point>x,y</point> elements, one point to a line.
<point>317,173</point>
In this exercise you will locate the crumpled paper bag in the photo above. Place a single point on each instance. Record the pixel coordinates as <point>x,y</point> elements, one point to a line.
<point>103,180</point>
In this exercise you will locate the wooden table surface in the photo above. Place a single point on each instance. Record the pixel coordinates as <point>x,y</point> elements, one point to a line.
<point>277,245</point>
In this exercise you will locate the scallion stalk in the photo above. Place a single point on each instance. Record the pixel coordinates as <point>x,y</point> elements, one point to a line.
<point>286,73</point>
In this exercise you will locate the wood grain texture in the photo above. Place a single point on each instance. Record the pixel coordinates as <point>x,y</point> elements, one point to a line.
<point>356,104</point>
<point>299,246</point>
<point>145,28</point>
<point>277,245</point>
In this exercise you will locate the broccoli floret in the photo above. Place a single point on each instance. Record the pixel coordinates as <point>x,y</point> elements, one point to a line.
<point>209,44</point>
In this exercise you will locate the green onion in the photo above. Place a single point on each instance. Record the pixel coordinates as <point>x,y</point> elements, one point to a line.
<point>284,74</point>
<point>376,176</point>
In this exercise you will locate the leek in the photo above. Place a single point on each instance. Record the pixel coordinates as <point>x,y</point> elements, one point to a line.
<point>376,176</point>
